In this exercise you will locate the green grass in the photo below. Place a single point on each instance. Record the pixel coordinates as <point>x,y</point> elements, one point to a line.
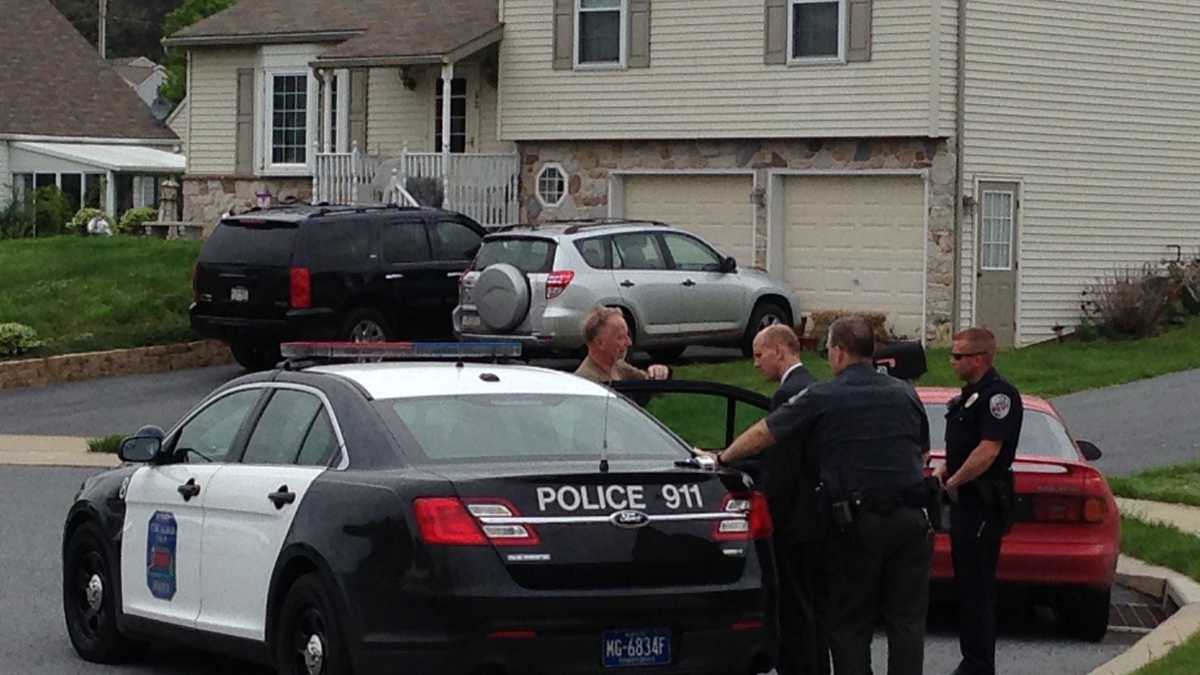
<point>1049,369</point>
<point>106,444</point>
<point>1161,545</point>
<point>1182,660</point>
<point>92,293</point>
<point>1175,484</point>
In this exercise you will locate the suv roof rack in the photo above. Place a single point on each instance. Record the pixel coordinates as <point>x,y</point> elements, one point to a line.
<point>316,209</point>
<point>574,225</point>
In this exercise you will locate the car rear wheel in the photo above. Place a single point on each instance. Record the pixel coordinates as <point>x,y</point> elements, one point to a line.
<point>1086,614</point>
<point>666,354</point>
<point>366,325</point>
<point>309,640</point>
<point>254,356</point>
<point>90,599</point>
<point>766,313</point>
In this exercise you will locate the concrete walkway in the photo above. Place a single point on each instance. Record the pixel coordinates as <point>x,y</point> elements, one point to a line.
<point>1184,518</point>
<point>51,451</point>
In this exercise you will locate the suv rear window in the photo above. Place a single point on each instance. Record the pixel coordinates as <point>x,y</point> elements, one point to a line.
<point>528,254</point>
<point>250,243</point>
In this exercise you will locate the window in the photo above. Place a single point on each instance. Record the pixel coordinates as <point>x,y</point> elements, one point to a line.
<point>690,255</point>
<point>458,116</point>
<point>600,34</point>
<point>211,433</point>
<point>280,431</point>
<point>454,241</point>
<point>595,251</point>
<point>320,444</point>
<point>818,30</point>
<point>528,254</point>
<point>22,185</point>
<point>638,252</point>
<point>551,185</point>
<point>340,245</point>
<point>145,191</point>
<point>287,112</point>
<point>405,242</point>
<point>996,237</point>
<point>1041,435</point>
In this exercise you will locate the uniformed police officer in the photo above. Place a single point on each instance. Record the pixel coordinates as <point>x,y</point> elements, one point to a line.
<point>982,428</point>
<point>870,435</point>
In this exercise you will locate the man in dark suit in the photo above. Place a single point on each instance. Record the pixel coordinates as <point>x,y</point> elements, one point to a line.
<point>791,480</point>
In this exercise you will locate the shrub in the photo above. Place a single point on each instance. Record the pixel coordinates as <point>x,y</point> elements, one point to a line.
<point>427,191</point>
<point>133,219</point>
<point>1128,302</point>
<point>17,338</point>
<point>51,210</point>
<point>823,319</point>
<point>106,444</point>
<point>16,219</point>
<point>83,216</point>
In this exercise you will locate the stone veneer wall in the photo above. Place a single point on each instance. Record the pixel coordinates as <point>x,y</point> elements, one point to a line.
<point>588,164</point>
<point>205,198</point>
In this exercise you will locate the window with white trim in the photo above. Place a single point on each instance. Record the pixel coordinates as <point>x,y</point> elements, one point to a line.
<point>287,119</point>
<point>995,243</point>
<point>818,31</point>
<point>551,185</point>
<point>600,32</point>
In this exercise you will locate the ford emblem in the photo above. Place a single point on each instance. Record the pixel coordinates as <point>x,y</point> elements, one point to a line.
<point>629,520</point>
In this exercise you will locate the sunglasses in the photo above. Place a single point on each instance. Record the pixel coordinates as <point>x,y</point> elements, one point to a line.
<point>958,357</point>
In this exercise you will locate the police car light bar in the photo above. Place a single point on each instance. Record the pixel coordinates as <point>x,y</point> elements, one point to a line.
<point>400,351</point>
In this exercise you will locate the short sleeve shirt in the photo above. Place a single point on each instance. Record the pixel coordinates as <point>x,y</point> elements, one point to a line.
<point>989,410</point>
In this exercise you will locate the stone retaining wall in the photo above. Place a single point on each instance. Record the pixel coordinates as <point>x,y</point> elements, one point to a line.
<point>205,198</point>
<point>90,365</point>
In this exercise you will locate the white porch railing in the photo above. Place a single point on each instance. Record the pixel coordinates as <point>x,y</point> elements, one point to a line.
<point>483,187</point>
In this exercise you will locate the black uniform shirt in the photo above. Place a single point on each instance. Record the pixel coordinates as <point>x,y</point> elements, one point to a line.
<point>791,476</point>
<point>867,430</point>
<point>990,410</point>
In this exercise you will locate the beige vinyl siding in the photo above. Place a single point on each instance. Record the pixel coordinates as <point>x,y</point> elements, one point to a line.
<point>948,67</point>
<point>178,122</point>
<point>707,79</point>
<point>213,109</point>
<point>487,141</point>
<point>1094,106</point>
<point>396,116</point>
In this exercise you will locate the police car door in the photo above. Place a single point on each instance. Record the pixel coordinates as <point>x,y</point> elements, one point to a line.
<point>164,513</point>
<point>252,502</point>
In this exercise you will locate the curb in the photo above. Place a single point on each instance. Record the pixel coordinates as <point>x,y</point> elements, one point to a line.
<point>1168,585</point>
<point>92,365</point>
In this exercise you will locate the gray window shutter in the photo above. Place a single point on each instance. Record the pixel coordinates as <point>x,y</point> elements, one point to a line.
<point>358,108</point>
<point>775,34</point>
<point>564,34</point>
<point>639,34</point>
<point>859,48</point>
<point>245,122</point>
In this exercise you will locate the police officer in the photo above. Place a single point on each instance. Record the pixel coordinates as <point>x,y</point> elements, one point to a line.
<point>869,434</point>
<point>982,428</point>
<point>791,481</point>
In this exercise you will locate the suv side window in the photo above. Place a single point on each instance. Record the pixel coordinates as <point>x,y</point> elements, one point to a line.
<point>212,432</point>
<point>638,251</point>
<point>691,255</point>
<point>453,240</point>
<point>340,243</point>
<point>595,251</point>
<point>281,428</point>
<point>405,242</point>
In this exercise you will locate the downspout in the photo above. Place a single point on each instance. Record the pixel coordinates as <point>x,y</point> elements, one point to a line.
<point>960,116</point>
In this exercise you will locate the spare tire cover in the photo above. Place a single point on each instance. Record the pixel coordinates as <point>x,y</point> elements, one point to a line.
<point>501,297</point>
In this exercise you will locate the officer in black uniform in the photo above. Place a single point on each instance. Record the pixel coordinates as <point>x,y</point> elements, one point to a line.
<point>869,434</point>
<point>982,428</point>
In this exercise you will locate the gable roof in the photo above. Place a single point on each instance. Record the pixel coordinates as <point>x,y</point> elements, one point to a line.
<point>135,70</point>
<point>54,83</point>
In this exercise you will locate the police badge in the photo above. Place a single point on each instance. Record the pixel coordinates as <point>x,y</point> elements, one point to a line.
<point>1000,405</point>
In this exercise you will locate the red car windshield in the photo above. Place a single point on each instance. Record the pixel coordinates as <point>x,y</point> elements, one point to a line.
<point>1042,435</point>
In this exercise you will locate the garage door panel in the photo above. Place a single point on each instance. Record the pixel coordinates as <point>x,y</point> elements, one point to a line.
<point>716,207</point>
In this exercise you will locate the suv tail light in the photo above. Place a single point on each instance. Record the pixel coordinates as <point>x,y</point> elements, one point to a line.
<point>749,518</point>
<point>557,282</point>
<point>301,288</point>
<point>451,522</point>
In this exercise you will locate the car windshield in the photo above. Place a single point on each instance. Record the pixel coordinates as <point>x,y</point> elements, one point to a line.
<point>520,427</point>
<point>1042,435</point>
<point>528,254</point>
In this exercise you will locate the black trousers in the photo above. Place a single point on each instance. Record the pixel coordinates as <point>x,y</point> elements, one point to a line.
<point>975,547</point>
<point>803,628</point>
<point>880,568</point>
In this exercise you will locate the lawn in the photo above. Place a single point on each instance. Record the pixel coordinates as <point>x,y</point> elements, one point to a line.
<point>1169,547</point>
<point>1184,660</point>
<point>91,293</point>
<point>1176,484</point>
<point>1049,369</point>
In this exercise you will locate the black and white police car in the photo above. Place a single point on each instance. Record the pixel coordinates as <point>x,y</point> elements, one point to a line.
<point>423,517</point>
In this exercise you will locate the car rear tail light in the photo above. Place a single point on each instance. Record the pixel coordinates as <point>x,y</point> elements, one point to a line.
<point>749,518</point>
<point>748,624</point>
<point>301,288</point>
<point>513,635</point>
<point>1068,509</point>
<point>557,282</point>
<point>450,521</point>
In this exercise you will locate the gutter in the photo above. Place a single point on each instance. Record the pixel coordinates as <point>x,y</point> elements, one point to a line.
<point>261,38</point>
<point>960,116</point>
<point>491,37</point>
<point>96,140</point>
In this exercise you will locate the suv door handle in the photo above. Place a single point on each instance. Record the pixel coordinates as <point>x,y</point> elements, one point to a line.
<point>689,283</point>
<point>393,276</point>
<point>454,275</point>
<point>282,496</point>
<point>627,284</point>
<point>189,489</point>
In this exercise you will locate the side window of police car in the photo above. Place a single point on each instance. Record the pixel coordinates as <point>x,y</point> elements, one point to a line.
<point>293,429</point>
<point>210,435</point>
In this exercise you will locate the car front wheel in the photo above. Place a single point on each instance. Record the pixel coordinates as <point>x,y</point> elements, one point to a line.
<point>766,313</point>
<point>89,599</point>
<point>309,638</point>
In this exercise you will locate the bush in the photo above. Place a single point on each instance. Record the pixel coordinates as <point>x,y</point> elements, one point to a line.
<point>106,444</point>
<point>133,219</point>
<point>1127,302</point>
<point>17,338</point>
<point>51,210</point>
<point>427,191</point>
<point>16,219</point>
<point>83,216</point>
<point>823,319</point>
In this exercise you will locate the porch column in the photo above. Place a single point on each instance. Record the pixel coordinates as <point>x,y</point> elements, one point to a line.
<point>327,106</point>
<point>447,91</point>
<point>110,195</point>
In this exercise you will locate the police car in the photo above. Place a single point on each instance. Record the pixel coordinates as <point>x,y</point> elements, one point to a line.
<point>421,516</point>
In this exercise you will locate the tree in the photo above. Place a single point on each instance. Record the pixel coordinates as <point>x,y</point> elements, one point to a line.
<point>134,26</point>
<point>188,13</point>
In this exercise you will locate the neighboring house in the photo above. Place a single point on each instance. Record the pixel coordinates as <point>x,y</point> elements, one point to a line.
<point>179,120</point>
<point>146,77</point>
<point>819,139</point>
<point>67,119</point>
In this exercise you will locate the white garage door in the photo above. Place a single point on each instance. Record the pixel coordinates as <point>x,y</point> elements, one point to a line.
<point>858,243</point>
<point>716,207</point>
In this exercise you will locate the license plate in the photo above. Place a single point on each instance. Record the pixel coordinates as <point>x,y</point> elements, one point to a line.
<point>647,647</point>
<point>470,322</point>
<point>239,294</point>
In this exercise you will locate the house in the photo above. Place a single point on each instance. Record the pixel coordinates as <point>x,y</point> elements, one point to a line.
<point>68,119</point>
<point>949,162</point>
<point>145,76</point>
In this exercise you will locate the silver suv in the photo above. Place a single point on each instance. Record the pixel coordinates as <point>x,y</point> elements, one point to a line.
<point>535,284</point>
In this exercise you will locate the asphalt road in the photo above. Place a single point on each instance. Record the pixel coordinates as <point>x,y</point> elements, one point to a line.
<point>33,639</point>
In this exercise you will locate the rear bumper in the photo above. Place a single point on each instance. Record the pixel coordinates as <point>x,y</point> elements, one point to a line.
<point>1042,562</point>
<point>297,324</point>
<point>561,331</point>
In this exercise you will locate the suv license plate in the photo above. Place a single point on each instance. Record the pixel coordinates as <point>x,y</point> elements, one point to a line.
<point>239,294</point>
<point>647,647</point>
<point>470,322</point>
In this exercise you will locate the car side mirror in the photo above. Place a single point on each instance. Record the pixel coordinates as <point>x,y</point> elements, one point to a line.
<point>144,446</point>
<point>1091,452</point>
<point>728,265</point>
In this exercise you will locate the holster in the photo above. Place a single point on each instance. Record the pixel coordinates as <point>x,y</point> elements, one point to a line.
<point>935,508</point>
<point>998,499</point>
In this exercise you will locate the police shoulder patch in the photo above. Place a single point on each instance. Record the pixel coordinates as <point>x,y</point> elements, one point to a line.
<point>1000,405</point>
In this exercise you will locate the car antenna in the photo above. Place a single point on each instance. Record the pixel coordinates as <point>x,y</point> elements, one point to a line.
<point>604,439</point>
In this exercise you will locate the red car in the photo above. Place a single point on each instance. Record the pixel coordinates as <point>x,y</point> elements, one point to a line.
<point>1066,538</point>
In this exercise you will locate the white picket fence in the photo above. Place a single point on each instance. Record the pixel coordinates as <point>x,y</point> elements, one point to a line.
<point>481,186</point>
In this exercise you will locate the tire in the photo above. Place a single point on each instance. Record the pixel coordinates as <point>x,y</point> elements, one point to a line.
<point>1086,615</point>
<point>254,356</point>
<point>90,599</point>
<point>765,313</point>
<point>502,297</point>
<point>308,640</point>
<point>666,354</point>
<point>366,325</point>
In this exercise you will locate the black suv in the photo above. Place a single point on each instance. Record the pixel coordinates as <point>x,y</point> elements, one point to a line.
<point>330,272</point>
